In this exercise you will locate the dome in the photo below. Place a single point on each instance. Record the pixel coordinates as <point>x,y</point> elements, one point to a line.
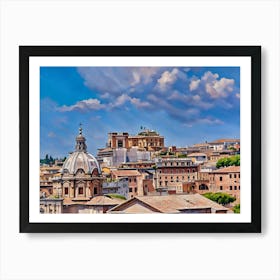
<point>80,160</point>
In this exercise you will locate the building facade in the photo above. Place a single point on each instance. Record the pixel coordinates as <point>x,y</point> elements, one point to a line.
<point>79,180</point>
<point>226,180</point>
<point>172,172</point>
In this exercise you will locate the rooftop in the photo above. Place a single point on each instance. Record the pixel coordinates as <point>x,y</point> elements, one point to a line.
<point>171,203</point>
<point>125,173</point>
<point>228,169</point>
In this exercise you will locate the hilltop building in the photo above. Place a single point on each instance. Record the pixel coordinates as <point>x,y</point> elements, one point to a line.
<point>150,140</point>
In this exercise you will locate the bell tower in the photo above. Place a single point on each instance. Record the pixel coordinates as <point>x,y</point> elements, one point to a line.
<point>81,141</point>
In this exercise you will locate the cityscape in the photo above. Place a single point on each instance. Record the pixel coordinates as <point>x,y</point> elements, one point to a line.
<point>139,170</point>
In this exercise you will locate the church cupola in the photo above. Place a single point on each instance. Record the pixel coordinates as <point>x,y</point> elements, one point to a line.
<point>81,142</point>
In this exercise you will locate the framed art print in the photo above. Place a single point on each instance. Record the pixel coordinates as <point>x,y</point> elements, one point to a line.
<point>140,138</point>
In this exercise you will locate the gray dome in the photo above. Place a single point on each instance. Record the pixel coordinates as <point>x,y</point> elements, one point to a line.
<point>80,160</point>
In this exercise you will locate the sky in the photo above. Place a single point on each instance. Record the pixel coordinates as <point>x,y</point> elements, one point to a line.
<point>186,105</point>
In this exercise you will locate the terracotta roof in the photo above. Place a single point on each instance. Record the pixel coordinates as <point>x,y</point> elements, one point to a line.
<point>50,167</point>
<point>197,155</point>
<point>69,201</point>
<point>201,144</point>
<point>104,200</point>
<point>125,173</point>
<point>225,140</point>
<point>229,169</point>
<point>172,203</point>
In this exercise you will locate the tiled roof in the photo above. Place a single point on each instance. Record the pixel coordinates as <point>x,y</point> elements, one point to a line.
<point>225,140</point>
<point>69,201</point>
<point>104,200</point>
<point>197,155</point>
<point>126,173</point>
<point>172,203</point>
<point>229,169</point>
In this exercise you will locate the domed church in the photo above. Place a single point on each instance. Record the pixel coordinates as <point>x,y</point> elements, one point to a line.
<point>80,175</point>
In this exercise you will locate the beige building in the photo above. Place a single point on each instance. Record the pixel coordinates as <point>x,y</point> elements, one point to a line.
<point>51,205</point>
<point>150,140</point>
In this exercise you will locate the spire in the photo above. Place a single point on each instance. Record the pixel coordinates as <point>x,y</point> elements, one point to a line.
<point>80,129</point>
<point>81,141</point>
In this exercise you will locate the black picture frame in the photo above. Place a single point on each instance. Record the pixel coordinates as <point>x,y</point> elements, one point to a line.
<point>254,52</point>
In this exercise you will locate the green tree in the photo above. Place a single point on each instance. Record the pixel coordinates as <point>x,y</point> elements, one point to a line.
<point>236,209</point>
<point>116,195</point>
<point>221,198</point>
<point>228,161</point>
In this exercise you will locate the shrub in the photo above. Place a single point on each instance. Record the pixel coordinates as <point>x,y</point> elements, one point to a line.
<point>221,198</point>
<point>236,209</point>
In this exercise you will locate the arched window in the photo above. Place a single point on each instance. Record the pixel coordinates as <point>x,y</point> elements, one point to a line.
<point>203,187</point>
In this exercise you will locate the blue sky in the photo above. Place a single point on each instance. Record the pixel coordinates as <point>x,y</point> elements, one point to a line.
<point>187,105</point>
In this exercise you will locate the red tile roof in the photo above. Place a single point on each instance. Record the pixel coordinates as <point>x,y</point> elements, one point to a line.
<point>125,173</point>
<point>229,169</point>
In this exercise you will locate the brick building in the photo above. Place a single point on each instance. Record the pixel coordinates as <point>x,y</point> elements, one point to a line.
<point>171,172</point>
<point>226,180</point>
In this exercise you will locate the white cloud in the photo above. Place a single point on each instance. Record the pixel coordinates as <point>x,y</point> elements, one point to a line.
<point>196,98</point>
<point>83,105</point>
<point>120,100</point>
<point>105,95</point>
<point>194,84</point>
<point>237,95</point>
<point>116,79</point>
<point>209,77</point>
<point>51,134</point>
<point>217,88</point>
<point>167,78</point>
<point>140,104</point>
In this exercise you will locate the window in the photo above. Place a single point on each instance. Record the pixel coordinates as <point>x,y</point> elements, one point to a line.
<point>235,188</point>
<point>230,187</point>
<point>120,143</point>
<point>183,177</point>
<point>95,190</point>
<point>66,190</point>
<point>134,180</point>
<point>239,187</point>
<point>238,175</point>
<point>221,188</point>
<point>135,189</point>
<point>234,175</point>
<point>193,177</point>
<point>230,176</point>
<point>221,178</point>
<point>160,183</point>
<point>81,190</point>
<point>130,189</point>
<point>129,180</point>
